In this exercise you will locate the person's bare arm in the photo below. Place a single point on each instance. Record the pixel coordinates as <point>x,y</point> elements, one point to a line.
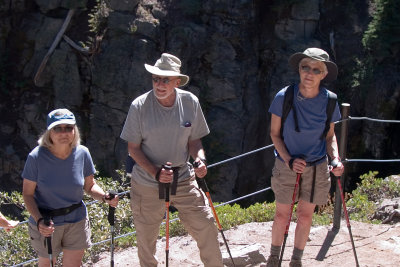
<point>135,151</point>
<point>28,192</point>
<point>277,139</point>
<point>7,224</point>
<point>333,151</point>
<point>94,190</point>
<point>298,164</point>
<point>196,151</point>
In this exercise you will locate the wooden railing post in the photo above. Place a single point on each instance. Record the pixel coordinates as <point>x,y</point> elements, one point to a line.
<point>342,153</point>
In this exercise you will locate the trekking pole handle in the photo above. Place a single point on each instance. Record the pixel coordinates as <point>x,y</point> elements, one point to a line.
<point>334,163</point>
<point>47,222</point>
<point>202,183</point>
<point>111,210</point>
<point>167,185</point>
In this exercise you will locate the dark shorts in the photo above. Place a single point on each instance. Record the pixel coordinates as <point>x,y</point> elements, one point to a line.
<point>283,182</point>
<point>70,236</point>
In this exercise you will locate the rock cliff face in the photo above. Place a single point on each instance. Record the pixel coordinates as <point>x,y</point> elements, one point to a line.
<point>234,51</point>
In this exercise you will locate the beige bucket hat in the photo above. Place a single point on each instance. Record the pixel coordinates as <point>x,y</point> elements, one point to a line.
<point>168,65</point>
<point>316,54</point>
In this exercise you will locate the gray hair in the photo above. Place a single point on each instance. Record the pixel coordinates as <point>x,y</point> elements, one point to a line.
<point>45,139</point>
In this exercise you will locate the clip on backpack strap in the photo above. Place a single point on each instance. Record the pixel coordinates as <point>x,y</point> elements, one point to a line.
<point>330,108</point>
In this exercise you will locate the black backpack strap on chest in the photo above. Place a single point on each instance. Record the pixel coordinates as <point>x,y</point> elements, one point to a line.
<point>330,108</point>
<point>287,106</point>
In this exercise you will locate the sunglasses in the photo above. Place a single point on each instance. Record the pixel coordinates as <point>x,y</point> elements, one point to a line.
<point>65,129</point>
<point>308,69</point>
<point>163,80</point>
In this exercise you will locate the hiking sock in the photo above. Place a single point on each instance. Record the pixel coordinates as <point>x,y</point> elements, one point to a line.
<point>275,250</point>
<point>297,254</point>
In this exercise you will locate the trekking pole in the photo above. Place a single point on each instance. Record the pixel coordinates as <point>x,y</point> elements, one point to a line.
<point>167,167</point>
<point>47,222</point>
<point>203,185</point>
<point>334,163</point>
<point>167,223</point>
<point>111,220</point>
<point>290,217</point>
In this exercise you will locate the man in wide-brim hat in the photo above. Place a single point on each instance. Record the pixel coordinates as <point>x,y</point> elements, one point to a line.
<point>303,144</point>
<point>163,129</point>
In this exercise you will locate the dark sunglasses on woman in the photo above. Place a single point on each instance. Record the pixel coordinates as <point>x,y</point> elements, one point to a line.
<point>63,129</point>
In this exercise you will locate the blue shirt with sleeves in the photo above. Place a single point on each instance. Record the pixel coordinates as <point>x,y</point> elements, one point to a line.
<point>311,117</point>
<point>59,183</point>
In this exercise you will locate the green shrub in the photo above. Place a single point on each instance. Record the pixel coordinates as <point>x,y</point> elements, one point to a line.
<point>15,246</point>
<point>380,39</point>
<point>364,201</point>
<point>98,16</point>
<point>15,249</point>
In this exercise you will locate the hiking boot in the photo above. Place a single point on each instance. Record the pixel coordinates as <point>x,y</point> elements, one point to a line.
<point>295,263</point>
<point>273,261</point>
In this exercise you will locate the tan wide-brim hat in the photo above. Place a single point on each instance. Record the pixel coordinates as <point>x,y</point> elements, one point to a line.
<point>316,54</point>
<point>168,65</point>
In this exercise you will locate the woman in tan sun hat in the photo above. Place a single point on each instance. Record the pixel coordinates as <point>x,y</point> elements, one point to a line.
<point>163,129</point>
<point>303,147</point>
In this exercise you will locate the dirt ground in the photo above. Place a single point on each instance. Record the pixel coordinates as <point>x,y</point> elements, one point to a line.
<point>376,245</point>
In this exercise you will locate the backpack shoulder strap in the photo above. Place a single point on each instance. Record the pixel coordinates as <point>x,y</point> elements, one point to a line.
<point>287,106</point>
<point>330,108</point>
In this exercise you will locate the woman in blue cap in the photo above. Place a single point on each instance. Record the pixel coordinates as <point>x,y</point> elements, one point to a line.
<point>56,174</point>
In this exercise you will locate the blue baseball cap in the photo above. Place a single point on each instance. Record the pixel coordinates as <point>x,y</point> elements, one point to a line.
<point>60,116</point>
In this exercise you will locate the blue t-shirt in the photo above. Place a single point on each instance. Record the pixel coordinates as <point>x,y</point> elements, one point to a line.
<point>311,117</point>
<point>59,183</point>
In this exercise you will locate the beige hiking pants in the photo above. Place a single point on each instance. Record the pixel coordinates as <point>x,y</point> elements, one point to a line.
<point>148,212</point>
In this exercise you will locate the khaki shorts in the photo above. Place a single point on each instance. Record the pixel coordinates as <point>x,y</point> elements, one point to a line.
<point>283,182</point>
<point>70,236</point>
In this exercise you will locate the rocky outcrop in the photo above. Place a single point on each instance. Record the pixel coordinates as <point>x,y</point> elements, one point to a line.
<point>388,211</point>
<point>234,51</point>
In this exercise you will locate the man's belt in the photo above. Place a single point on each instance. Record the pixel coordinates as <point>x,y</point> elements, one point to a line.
<point>174,185</point>
<point>59,212</point>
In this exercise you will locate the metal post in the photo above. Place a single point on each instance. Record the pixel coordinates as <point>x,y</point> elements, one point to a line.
<point>342,153</point>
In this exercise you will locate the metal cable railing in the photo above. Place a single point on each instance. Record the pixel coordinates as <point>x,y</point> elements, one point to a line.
<point>251,194</point>
<point>375,120</point>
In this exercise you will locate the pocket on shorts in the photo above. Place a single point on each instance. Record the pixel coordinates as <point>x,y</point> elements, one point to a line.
<point>325,173</point>
<point>275,172</point>
<point>33,232</point>
<point>37,240</point>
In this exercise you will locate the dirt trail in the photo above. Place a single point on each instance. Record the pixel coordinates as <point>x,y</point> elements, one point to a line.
<point>376,246</point>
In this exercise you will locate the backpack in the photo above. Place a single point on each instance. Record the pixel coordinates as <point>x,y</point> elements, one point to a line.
<point>288,105</point>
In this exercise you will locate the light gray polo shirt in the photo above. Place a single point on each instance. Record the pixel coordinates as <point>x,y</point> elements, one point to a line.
<point>164,132</point>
